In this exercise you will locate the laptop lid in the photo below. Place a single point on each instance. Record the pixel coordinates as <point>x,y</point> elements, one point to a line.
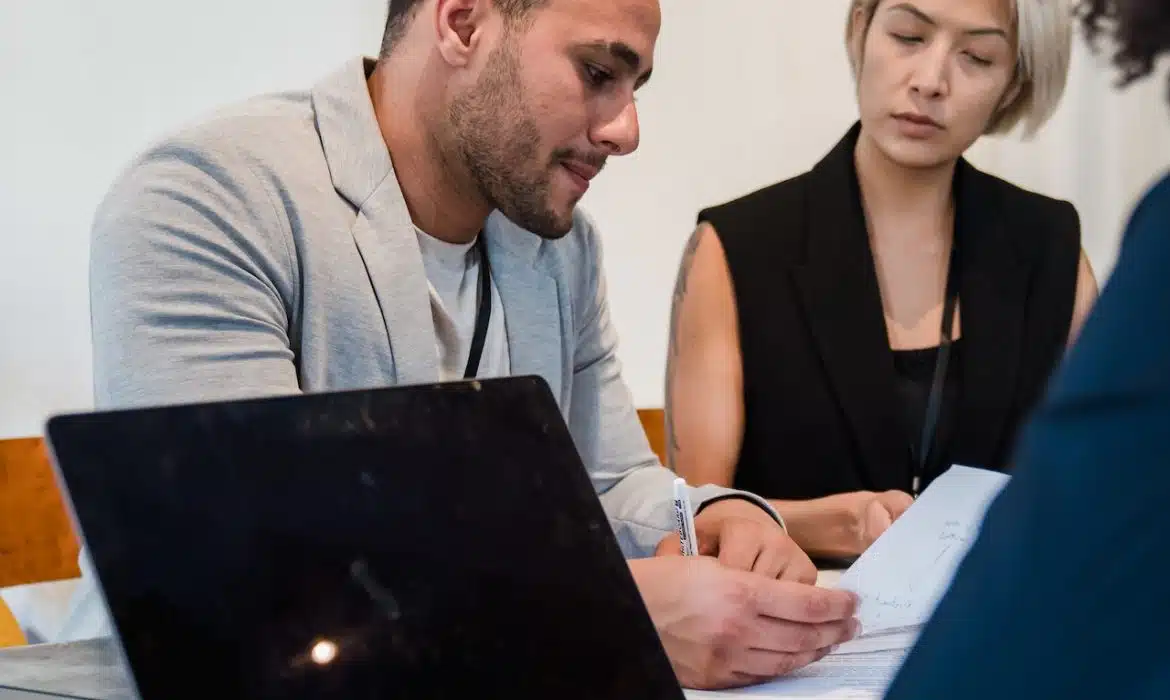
<point>409,542</point>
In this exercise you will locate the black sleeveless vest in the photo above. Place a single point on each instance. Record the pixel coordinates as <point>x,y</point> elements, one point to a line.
<point>823,392</point>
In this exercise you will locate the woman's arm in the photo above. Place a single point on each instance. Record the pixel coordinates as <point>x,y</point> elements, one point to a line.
<point>704,371</point>
<point>705,409</point>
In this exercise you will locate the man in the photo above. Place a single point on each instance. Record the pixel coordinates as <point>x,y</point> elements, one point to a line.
<point>338,239</point>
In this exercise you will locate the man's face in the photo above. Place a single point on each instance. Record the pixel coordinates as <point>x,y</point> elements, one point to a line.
<point>554,100</point>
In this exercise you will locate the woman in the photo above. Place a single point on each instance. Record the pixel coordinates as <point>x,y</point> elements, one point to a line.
<point>840,338</point>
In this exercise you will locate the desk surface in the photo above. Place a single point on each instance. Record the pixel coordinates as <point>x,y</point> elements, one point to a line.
<point>90,670</point>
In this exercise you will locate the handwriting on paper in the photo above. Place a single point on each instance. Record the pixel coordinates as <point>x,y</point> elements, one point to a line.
<point>901,577</point>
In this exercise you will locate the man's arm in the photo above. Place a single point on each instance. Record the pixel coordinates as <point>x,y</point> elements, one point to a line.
<point>191,283</point>
<point>191,290</point>
<point>1052,599</point>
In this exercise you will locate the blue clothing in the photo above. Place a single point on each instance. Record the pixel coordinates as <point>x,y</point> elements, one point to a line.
<point>1064,595</point>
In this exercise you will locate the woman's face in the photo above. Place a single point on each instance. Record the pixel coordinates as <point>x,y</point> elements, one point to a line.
<point>932,75</point>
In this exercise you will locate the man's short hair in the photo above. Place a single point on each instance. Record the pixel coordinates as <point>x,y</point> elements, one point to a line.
<point>401,13</point>
<point>1043,31</point>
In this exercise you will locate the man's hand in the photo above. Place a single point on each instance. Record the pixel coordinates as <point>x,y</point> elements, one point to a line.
<point>724,628</point>
<point>744,536</point>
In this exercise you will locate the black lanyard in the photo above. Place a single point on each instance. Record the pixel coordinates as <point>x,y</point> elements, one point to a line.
<point>934,402</point>
<point>483,314</point>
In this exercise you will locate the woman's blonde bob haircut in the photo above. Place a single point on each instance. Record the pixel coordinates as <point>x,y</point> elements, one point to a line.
<point>1043,32</point>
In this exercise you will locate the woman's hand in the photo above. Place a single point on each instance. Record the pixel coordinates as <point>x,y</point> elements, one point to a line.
<point>842,525</point>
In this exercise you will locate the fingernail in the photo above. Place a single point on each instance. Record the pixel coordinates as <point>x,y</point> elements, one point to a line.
<point>856,628</point>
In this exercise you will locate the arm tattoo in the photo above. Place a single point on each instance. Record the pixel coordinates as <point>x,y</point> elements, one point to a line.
<point>680,290</point>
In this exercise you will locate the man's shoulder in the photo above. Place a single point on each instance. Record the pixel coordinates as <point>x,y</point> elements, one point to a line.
<point>272,133</point>
<point>213,184</point>
<point>225,169</point>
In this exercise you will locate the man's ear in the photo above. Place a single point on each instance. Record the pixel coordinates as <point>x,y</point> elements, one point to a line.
<point>459,28</point>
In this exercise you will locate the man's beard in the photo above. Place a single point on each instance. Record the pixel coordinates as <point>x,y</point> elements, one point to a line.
<point>497,143</point>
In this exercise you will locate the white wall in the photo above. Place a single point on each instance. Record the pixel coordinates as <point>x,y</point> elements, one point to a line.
<point>85,84</point>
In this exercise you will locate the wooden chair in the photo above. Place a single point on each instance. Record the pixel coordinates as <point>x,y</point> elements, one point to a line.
<point>37,542</point>
<point>10,634</point>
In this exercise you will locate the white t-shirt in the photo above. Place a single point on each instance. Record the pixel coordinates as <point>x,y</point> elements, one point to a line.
<point>453,276</point>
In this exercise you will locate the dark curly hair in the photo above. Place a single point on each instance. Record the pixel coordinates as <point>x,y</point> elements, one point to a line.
<point>1138,30</point>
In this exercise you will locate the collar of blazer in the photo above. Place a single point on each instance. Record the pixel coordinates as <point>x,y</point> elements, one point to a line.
<point>362,172</point>
<point>837,283</point>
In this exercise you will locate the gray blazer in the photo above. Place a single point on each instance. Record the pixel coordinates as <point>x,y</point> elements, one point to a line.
<point>268,250</point>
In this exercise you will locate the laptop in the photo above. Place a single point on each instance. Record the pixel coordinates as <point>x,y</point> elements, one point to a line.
<point>435,541</point>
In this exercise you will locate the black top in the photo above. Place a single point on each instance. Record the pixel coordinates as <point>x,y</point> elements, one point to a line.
<point>827,401</point>
<point>913,375</point>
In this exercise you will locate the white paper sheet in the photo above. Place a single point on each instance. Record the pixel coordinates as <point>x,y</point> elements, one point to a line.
<point>900,580</point>
<point>882,641</point>
<point>904,574</point>
<point>851,677</point>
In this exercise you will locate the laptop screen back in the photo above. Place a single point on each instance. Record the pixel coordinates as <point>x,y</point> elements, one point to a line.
<point>412,542</point>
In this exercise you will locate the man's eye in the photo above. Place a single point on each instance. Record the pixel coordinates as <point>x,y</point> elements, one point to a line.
<point>597,77</point>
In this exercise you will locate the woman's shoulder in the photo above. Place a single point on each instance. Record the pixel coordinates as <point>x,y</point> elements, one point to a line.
<point>1030,201</point>
<point>766,201</point>
<point>1039,222</point>
<point>780,208</point>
